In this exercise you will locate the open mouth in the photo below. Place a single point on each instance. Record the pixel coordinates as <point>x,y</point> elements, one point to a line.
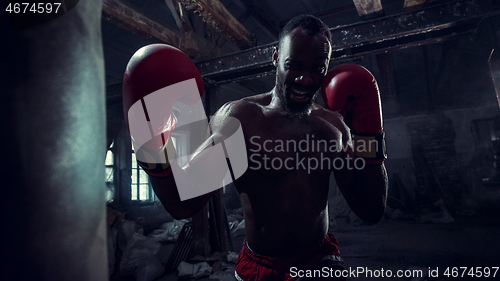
<point>299,96</point>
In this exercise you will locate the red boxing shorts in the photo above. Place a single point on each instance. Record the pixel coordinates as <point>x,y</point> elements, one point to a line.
<point>319,262</point>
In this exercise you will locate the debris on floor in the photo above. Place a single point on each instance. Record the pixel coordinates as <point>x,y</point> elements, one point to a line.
<point>113,222</point>
<point>236,214</point>
<point>168,232</point>
<point>391,214</point>
<point>222,276</point>
<point>236,222</point>
<point>196,270</point>
<point>437,214</point>
<point>237,228</point>
<point>139,259</point>
<point>112,234</point>
<point>130,253</point>
<point>232,257</point>
<point>219,266</point>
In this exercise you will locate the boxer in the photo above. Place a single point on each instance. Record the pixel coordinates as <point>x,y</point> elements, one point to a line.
<point>284,198</point>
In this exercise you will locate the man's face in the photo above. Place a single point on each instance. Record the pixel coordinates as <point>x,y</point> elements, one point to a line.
<point>301,64</point>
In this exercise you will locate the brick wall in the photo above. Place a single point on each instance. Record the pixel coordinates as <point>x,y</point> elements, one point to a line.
<point>435,159</point>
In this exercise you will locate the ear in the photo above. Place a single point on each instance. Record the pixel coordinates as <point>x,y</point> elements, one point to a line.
<point>275,57</point>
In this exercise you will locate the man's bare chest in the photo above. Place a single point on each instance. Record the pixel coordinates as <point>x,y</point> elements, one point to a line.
<point>280,146</point>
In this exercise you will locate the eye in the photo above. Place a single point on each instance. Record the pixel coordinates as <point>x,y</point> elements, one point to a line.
<point>320,69</point>
<point>293,67</point>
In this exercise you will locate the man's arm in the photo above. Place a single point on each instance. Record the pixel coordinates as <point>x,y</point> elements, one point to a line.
<point>166,190</point>
<point>353,90</point>
<point>158,77</point>
<point>222,125</point>
<point>365,190</point>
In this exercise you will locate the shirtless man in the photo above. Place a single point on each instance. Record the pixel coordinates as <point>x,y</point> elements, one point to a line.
<point>285,206</point>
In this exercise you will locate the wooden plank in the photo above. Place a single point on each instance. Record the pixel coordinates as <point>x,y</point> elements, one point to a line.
<point>120,14</point>
<point>217,16</point>
<point>260,15</point>
<point>201,246</point>
<point>431,25</point>
<point>219,217</point>
<point>179,15</point>
<point>385,67</point>
<point>494,63</point>
<point>341,9</point>
<point>124,16</point>
<point>369,9</point>
<point>412,3</point>
<point>387,85</point>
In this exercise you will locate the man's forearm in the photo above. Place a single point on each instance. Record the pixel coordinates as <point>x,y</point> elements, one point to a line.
<point>370,186</point>
<point>165,189</point>
<point>365,190</point>
<point>198,174</point>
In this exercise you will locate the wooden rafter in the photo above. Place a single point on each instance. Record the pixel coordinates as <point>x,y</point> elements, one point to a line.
<point>410,5</point>
<point>217,16</point>
<point>494,62</point>
<point>368,8</point>
<point>179,16</point>
<point>260,15</point>
<point>434,24</point>
<point>341,9</point>
<point>122,15</point>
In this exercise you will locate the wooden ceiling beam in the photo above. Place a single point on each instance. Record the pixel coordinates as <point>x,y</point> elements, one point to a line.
<point>217,16</point>
<point>431,25</point>
<point>369,9</point>
<point>411,5</point>
<point>122,15</point>
<point>260,15</point>
<point>338,10</point>
<point>179,15</point>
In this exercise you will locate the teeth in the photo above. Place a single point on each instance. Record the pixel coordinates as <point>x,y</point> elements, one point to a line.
<point>299,92</point>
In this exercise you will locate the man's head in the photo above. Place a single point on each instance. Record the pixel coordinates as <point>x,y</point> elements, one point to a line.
<point>301,61</point>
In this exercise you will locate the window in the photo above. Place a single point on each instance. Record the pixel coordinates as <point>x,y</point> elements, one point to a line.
<point>109,163</point>
<point>140,189</point>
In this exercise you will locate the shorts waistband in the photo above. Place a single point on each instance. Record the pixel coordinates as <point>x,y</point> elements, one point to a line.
<point>284,263</point>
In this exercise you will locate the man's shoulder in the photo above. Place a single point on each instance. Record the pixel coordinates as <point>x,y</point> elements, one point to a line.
<point>247,106</point>
<point>232,114</point>
<point>261,99</point>
<point>326,114</point>
<point>332,117</point>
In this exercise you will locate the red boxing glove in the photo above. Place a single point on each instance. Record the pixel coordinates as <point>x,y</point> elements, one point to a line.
<point>156,77</point>
<point>352,90</point>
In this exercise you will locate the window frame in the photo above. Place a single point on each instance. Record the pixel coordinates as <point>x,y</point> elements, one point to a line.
<point>136,172</point>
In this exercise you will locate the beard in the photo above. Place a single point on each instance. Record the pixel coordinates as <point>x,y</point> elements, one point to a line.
<point>294,109</point>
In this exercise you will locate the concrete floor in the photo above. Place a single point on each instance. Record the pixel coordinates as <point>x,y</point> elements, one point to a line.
<point>402,245</point>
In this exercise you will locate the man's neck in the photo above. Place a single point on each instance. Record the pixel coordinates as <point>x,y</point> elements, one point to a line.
<point>276,103</point>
